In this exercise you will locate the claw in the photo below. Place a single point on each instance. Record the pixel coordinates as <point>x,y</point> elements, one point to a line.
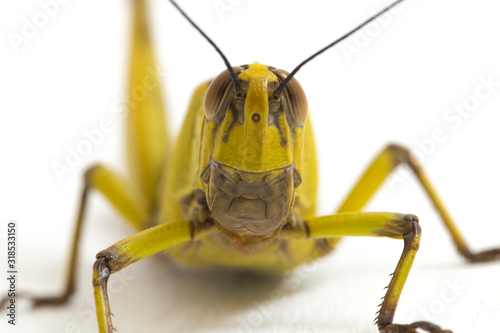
<point>412,328</point>
<point>37,302</point>
<point>485,256</point>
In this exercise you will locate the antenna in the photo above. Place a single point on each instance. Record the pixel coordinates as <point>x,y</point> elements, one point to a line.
<point>280,89</point>
<point>236,85</point>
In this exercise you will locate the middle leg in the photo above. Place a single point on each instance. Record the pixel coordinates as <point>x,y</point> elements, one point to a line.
<point>378,171</point>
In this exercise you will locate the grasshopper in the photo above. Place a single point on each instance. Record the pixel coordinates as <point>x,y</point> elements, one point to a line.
<point>244,245</point>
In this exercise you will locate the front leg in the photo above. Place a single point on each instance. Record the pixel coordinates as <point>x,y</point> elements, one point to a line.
<point>391,225</point>
<point>133,249</point>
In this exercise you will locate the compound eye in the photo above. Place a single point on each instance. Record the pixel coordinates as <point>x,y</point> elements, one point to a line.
<point>293,98</point>
<point>219,94</point>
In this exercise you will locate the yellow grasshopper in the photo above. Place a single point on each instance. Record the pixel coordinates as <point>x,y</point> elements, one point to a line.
<point>281,175</point>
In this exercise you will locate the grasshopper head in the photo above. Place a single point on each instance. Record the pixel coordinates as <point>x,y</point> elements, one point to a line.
<point>252,151</point>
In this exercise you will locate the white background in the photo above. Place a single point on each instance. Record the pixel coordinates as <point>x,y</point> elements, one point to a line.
<point>397,88</point>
